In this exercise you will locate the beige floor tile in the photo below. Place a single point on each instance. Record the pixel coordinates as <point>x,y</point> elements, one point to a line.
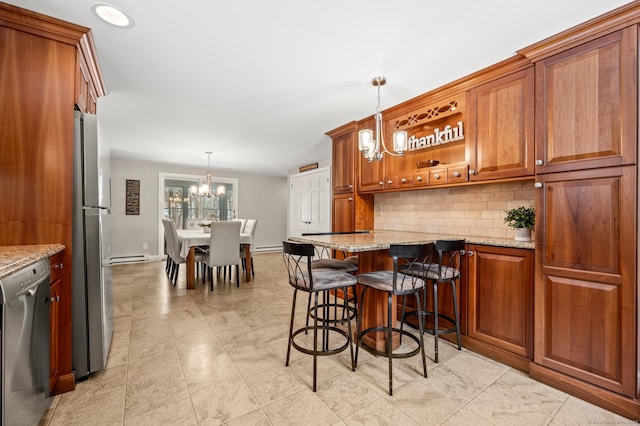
<point>465,417</point>
<point>272,385</point>
<point>228,400</point>
<point>301,408</point>
<point>423,404</point>
<point>346,393</point>
<point>380,412</point>
<point>149,395</point>
<point>102,382</point>
<point>577,412</point>
<point>102,409</point>
<point>154,366</point>
<point>254,418</point>
<point>178,413</point>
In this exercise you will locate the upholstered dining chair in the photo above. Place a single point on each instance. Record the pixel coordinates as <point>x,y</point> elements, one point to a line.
<point>249,228</point>
<point>223,248</point>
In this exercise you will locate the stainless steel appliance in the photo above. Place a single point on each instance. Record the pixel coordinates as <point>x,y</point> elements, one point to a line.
<point>24,350</point>
<point>92,296</point>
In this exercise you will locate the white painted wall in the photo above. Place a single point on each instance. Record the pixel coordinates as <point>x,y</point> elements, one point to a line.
<point>265,198</point>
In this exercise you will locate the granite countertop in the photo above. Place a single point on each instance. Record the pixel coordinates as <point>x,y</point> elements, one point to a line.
<point>14,258</point>
<point>381,240</point>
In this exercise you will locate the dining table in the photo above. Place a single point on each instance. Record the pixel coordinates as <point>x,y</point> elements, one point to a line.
<point>189,239</point>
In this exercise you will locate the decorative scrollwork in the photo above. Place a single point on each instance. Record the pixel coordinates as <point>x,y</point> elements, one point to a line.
<point>430,113</point>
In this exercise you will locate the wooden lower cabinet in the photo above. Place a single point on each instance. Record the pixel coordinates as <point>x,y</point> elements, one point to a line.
<point>500,303</point>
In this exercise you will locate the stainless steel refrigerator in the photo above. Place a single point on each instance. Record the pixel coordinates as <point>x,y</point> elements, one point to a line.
<point>92,291</point>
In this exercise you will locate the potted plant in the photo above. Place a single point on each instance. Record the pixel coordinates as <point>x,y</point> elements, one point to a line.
<point>206,225</point>
<point>523,219</point>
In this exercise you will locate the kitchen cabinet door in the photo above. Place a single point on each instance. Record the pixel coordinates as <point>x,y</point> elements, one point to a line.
<point>585,285</point>
<point>344,151</point>
<point>586,105</point>
<point>501,297</point>
<point>343,213</point>
<point>500,132</point>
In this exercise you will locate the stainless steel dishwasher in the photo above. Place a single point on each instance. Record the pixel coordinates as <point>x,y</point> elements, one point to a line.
<point>24,327</point>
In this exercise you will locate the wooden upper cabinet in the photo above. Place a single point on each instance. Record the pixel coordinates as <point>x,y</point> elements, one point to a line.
<point>344,141</point>
<point>500,140</point>
<point>370,174</point>
<point>586,104</point>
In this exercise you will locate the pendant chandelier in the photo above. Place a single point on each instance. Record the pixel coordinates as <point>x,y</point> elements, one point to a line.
<point>206,189</point>
<point>374,149</point>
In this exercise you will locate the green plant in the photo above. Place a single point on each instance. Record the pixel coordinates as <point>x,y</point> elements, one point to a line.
<point>521,217</point>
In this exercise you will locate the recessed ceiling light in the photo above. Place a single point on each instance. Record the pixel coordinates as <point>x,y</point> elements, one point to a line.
<point>112,15</point>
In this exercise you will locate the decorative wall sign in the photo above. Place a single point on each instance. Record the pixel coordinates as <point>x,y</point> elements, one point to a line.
<point>132,206</point>
<point>438,137</point>
<point>308,167</point>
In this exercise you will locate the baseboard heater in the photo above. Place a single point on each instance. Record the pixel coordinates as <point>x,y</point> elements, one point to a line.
<point>267,249</point>
<point>130,259</point>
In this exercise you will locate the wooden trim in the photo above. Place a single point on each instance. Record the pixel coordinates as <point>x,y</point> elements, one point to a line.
<point>41,25</point>
<point>606,23</point>
<point>66,383</point>
<point>88,49</point>
<point>344,129</point>
<point>495,353</point>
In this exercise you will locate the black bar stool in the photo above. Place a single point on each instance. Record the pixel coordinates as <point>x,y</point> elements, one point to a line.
<point>395,283</point>
<point>298,259</point>
<point>447,270</point>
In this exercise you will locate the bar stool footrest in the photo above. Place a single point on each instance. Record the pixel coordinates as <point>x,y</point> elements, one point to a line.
<point>378,352</point>
<point>321,330</point>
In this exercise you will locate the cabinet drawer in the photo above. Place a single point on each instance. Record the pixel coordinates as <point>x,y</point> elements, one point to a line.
<point>457,174</point>
<point>437,177</point>
<point>420,179</point>
<point>56,264</point>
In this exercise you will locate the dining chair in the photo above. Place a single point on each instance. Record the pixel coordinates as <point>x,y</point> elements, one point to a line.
<point>249,228</point>
<point>317,282</point>
<point>223,248</point>
<point>395,283</point>
<point>243,223</point>
<point>167,244</point>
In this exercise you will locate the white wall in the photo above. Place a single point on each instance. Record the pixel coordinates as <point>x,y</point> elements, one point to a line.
<point>264,198</point>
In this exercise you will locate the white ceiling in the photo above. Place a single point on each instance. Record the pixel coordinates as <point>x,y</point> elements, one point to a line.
<point>259,82</point>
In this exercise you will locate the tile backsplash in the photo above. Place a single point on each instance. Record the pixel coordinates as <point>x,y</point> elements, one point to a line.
<point>474,210</point>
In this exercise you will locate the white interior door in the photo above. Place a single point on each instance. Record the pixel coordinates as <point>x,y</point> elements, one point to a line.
<point>310,200</point>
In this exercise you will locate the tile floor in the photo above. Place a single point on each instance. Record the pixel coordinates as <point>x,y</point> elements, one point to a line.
<point>197,357</point>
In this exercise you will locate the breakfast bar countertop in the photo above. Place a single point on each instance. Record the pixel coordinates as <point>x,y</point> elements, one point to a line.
<point>382,239</point>
<point>13,258</point>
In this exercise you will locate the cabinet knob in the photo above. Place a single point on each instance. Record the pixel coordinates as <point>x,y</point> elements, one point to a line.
<point>436,176</point>
<point>403,180</point>
<point>419,178</point>
<point>472,172</point>
<point>58,265</point>
<point>389,182</point>
<point>539,163</point>
<point>350,199</point>
<point>537,185</point>
<point>381,183</point>
<point>456,174</point>
<point>52,299</point>
<point>350,186</point>
<point>470,253</point>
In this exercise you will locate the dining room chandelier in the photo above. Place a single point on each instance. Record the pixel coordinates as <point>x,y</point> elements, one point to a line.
<point>206,189</point>
<point>374,149</point>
